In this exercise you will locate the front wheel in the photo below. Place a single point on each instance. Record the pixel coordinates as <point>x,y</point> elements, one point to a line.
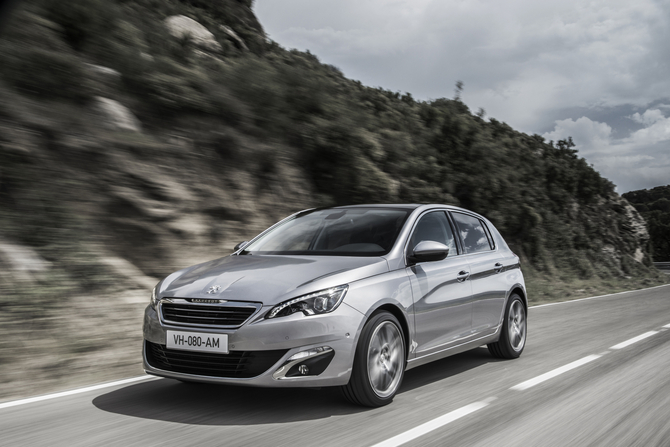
<point>379,362</point>
<point>513,337</point>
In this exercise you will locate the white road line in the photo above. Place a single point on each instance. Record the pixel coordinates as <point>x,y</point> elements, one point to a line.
<point>71,392</point>
<point>634,340</point>
<point>594,297</point>
<point>432,425</point>
<point>551,374</point>
<point>667,326</point>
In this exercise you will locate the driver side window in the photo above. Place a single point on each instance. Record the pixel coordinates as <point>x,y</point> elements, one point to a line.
<point>434,226</point>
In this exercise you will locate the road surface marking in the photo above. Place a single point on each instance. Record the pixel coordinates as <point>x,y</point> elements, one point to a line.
<point>594,297</point>
<point>667,326</point>
<point>634,340</point>
<point>551,374</point>
<point>71,392</point>
<point>432,425</point>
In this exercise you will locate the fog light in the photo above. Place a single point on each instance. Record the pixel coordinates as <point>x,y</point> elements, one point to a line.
<point>311,362</point>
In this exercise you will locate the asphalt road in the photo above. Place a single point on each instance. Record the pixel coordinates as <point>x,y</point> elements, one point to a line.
<point>587,377</point>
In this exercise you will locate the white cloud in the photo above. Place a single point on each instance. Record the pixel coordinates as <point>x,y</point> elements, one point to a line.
<point>657,130</point>
<point>640,160</point>
<point>649,117</point>
<point>590,136</point>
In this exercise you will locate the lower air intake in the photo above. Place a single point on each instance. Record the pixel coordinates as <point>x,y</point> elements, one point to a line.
<point>234,365</point>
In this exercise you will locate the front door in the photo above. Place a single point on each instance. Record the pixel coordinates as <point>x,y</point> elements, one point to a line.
<point>441,289</point>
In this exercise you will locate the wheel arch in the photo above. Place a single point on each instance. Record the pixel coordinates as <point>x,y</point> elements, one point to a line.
<point>402,319</point>
<point>521,291</point>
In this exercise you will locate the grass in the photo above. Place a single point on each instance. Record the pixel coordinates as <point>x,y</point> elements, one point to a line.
<point>544,289</point>
<point>79,341</point>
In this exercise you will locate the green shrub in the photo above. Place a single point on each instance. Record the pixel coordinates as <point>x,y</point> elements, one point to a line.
<point>36,60</point>
<point>83,21</point>
<point>45,73</point>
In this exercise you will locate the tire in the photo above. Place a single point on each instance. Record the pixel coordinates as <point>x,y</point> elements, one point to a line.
<point>514,330</point>
<point>379,362</point>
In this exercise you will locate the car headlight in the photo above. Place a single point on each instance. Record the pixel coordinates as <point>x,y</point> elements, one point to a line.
<point>154,297</point>
<point>316,303</point>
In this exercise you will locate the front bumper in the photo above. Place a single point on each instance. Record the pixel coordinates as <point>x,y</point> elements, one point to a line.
<point>337,330</point>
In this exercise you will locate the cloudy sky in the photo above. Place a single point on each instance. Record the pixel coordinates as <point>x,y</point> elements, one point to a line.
<point>594,70</point>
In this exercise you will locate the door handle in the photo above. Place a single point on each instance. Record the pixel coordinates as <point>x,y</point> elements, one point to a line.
<point>498,267</point>
<point>462,275</point>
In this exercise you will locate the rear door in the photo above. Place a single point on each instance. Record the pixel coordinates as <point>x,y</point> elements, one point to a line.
<point>441,289</point>
<point>489,287</point>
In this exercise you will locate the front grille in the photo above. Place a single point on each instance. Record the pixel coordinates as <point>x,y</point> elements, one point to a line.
<point>187,314</point>
<point>236,364</point>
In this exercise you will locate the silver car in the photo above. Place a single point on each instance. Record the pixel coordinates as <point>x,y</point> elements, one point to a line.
<point>349,296</point>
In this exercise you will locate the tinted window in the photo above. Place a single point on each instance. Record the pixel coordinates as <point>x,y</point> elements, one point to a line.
<point>472,233</point>
<point>490,236</point>
<point>334,232</point>
<point>434,227</point>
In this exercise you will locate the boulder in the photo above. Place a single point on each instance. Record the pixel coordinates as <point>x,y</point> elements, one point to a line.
<point>103,71</point>
<point>116,115</point>
<point>232,35</point>
<point>127,269</point>
<point>183,27</point>
<point>22,261</point>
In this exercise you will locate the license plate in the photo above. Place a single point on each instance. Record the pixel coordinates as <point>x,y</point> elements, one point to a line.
<point>197,341</point>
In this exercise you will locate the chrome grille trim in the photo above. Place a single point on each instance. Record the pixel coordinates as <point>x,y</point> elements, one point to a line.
<point>184,312</point>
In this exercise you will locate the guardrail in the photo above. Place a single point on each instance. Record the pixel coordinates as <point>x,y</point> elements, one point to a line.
<point>662,265</point>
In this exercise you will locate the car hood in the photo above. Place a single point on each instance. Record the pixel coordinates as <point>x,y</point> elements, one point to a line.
<point>268,279</point>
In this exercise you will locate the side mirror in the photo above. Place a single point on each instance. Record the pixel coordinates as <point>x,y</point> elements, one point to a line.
<point>241,245</point>
<point>426,251</point>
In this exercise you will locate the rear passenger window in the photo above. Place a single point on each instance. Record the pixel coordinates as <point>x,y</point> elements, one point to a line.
<point>472,233</point>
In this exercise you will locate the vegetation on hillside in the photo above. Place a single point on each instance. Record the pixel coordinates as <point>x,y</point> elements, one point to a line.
<point>355,143</point>
<point>654,205</point>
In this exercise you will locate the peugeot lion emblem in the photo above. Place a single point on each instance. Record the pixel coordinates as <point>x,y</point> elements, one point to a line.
<point>214,289</point>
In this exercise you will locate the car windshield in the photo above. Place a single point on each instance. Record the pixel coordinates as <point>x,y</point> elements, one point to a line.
<point>334,232</point>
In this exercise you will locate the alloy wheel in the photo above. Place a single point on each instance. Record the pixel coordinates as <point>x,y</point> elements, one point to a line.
<point>385,359</point>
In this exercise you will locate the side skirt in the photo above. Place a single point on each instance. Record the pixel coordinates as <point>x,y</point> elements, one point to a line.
<point>413,363</point>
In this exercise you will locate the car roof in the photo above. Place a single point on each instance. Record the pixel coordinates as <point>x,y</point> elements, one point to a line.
<point>407,206</point>
<point>413,208</point>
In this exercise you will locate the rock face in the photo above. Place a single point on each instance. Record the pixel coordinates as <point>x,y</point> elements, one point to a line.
<point>116,115</point>
<point>636,223</point>
<point>628,237</point>
<point>183,27</point>
<point>636,226</point>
